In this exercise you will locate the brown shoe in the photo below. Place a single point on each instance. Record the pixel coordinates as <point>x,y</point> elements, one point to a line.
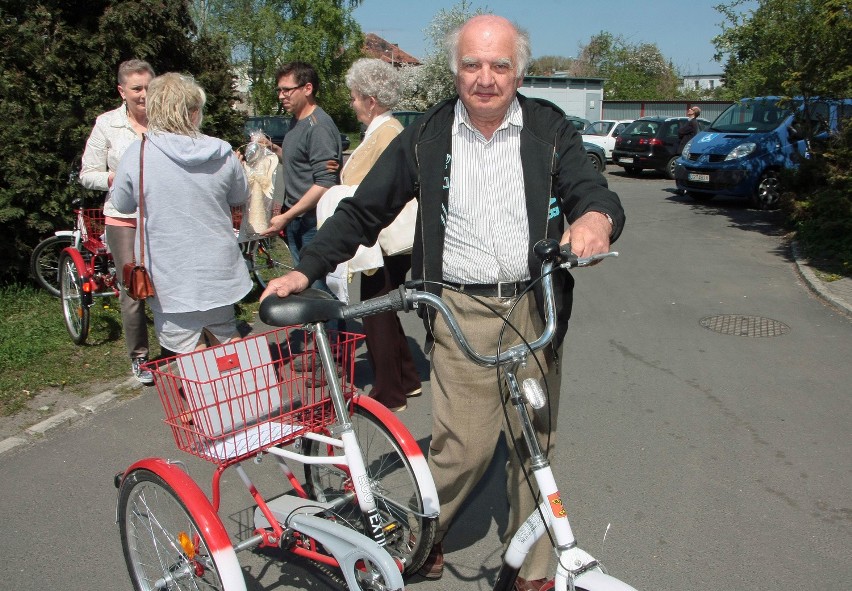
<point>433,568</point>
<point>533,584</point>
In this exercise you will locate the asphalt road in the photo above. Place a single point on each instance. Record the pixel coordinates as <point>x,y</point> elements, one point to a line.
<point>710,457</point>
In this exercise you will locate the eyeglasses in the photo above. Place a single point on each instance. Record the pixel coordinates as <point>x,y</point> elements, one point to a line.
<point>287,89</point>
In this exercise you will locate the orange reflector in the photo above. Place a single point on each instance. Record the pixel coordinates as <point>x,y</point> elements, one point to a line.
<point>187,545</point>
<point>87,287</point>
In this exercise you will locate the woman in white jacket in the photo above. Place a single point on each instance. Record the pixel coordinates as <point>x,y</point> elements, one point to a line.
<point>113,132</point>
<point>191,181</point>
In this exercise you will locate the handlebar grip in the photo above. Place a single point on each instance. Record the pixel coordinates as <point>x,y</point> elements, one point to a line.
<point>392,302</point>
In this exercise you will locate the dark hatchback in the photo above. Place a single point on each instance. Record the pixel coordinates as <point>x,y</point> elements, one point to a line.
<point>650,143</point>
<point>275,127</point>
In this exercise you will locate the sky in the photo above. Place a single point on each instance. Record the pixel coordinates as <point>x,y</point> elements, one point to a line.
<point>682,30</point>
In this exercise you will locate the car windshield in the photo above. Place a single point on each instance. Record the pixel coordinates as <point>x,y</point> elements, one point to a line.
<point>599,128</point>
<point>759,116</point>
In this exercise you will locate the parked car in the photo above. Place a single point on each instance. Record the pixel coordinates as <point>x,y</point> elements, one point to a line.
<point>747,146</point>
<point>597,156</point>
<point>603,133</point>
<point>650,143</point>
<point>578,122</point>
<point>275,127</point>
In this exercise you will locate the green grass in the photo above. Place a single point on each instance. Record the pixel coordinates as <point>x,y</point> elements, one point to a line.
<point>36,352</point>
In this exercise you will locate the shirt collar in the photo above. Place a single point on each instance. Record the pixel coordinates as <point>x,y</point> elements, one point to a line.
<point>513,117</point>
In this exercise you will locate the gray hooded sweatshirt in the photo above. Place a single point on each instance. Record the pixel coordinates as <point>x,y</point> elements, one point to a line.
<point>191,251</point>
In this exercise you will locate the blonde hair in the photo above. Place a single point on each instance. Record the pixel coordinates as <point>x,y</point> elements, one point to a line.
<point>171,103</point>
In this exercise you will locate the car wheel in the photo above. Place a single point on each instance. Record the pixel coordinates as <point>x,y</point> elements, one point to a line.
<point>670,167</point>
<point>700,196</point>
<point>768,193</point>
<point>632,170</point>
<point>596,162</point>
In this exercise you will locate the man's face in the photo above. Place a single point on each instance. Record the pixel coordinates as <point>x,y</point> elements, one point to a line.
<point>487,73</point>
<point>291,94</point>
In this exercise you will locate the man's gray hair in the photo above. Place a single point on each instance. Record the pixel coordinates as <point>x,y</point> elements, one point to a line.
<point>375,78</point>
<point>523,51</point>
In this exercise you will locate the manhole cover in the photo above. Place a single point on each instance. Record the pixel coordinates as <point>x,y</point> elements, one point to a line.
<point>744,326</point>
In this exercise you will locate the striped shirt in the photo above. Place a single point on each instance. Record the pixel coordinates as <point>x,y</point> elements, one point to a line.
<point>487,236</point>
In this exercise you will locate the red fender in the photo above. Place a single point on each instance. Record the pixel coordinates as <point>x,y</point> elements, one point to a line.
<point>81,273</point>
<point>185,487</point>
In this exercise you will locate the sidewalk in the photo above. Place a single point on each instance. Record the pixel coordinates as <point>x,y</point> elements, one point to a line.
<point>837,294</point>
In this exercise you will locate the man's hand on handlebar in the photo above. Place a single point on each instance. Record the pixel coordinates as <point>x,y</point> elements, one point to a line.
<point>292,282</point>
<point>588,235</point>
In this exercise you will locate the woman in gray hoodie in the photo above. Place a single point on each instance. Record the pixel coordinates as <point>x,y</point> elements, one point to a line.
<point>191,181</point>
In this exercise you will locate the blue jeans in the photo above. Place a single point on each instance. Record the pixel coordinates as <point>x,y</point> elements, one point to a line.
<point>300,232</point>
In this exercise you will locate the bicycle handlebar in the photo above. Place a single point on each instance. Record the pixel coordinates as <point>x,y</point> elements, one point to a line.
<point>404,299</point>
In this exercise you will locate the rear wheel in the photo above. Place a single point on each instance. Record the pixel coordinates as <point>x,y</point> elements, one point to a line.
<point>44,262</point>
<point>768,192</point>
<point>74,308</point>
<point>670,167</point>
<point>392,481</point>
<point>163,545</point>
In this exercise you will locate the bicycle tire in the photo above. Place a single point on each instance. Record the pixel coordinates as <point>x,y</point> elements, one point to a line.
<point>266,259</point>
<point>162,539</point>
<point>393,482</point>
<point>74,308</point>
<point>44,262</point>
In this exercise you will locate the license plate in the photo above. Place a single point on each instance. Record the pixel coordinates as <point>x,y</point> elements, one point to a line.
<point>699,178</point>
<point>626,160</point>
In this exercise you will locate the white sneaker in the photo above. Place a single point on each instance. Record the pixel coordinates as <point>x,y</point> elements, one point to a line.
<point>143,375</point>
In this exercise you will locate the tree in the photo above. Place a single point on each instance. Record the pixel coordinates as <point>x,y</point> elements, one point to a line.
<point>264,34</point>
<point>432,81</point>
<point>57,73</point>
<point>632,71</point>
<point>547,65</point>
<point>787,48</point>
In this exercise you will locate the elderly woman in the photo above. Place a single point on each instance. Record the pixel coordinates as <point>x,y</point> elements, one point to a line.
<point>374,90</point>
<point>191,181</point>
<point>113,132</point>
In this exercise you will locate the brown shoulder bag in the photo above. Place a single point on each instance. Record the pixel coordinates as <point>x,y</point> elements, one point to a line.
<point>137,282</point>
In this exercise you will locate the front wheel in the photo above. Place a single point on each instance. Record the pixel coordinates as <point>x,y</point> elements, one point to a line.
<point>393,482</point>
<point>266,259</point>
<point>768,193</point>
<point>44,262</point>
<point>74,307</point>
<point>164,547</point>
<point>597,163</point>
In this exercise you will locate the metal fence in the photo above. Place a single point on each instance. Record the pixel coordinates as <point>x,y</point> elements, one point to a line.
<point>636,109</point>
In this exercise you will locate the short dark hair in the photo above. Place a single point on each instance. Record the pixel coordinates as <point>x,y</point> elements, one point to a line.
<point>303,73</point>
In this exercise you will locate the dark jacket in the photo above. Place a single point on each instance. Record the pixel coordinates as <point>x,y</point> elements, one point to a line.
<point>685,132</point>
<point>417,164</point>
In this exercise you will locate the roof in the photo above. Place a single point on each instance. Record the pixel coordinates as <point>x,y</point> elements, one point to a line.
<point>376,47</point>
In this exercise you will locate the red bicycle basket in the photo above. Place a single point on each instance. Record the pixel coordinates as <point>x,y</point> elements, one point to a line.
<point>229,402</point>
<point>93,224</point>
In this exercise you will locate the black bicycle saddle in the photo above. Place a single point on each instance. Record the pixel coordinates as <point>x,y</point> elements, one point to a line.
<point>311,305</point>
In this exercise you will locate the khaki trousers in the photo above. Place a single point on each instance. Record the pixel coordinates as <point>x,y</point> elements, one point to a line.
<point>467,413</point>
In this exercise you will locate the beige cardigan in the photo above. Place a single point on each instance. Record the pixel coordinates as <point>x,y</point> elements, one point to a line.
<point>365,155</point>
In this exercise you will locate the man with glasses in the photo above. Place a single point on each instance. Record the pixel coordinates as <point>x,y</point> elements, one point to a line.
<point>311,155</point>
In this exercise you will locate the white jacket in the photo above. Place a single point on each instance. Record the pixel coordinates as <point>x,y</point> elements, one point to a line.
<point>104,148</point>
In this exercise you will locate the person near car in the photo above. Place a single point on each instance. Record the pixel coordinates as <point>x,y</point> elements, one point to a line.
<point>112,133</point>
<point>190,181</point>
<point>689,128</point>
<point>494,173</point>
<point>374,89</point>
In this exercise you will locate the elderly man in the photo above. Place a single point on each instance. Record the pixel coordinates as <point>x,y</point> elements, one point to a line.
<point>494,172</point>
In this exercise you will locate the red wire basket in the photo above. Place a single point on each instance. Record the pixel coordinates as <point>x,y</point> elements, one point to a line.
<point>93,225</point>
<point>229,402</point>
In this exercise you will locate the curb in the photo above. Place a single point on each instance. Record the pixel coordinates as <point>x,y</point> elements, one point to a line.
<point>816,285</point>
<point>87,406</point>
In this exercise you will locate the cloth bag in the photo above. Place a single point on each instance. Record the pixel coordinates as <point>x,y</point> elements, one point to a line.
<point>398,238</point>
<point>137,283</point>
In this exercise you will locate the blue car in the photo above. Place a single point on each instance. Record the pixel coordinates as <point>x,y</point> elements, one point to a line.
<point>743,151</point>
